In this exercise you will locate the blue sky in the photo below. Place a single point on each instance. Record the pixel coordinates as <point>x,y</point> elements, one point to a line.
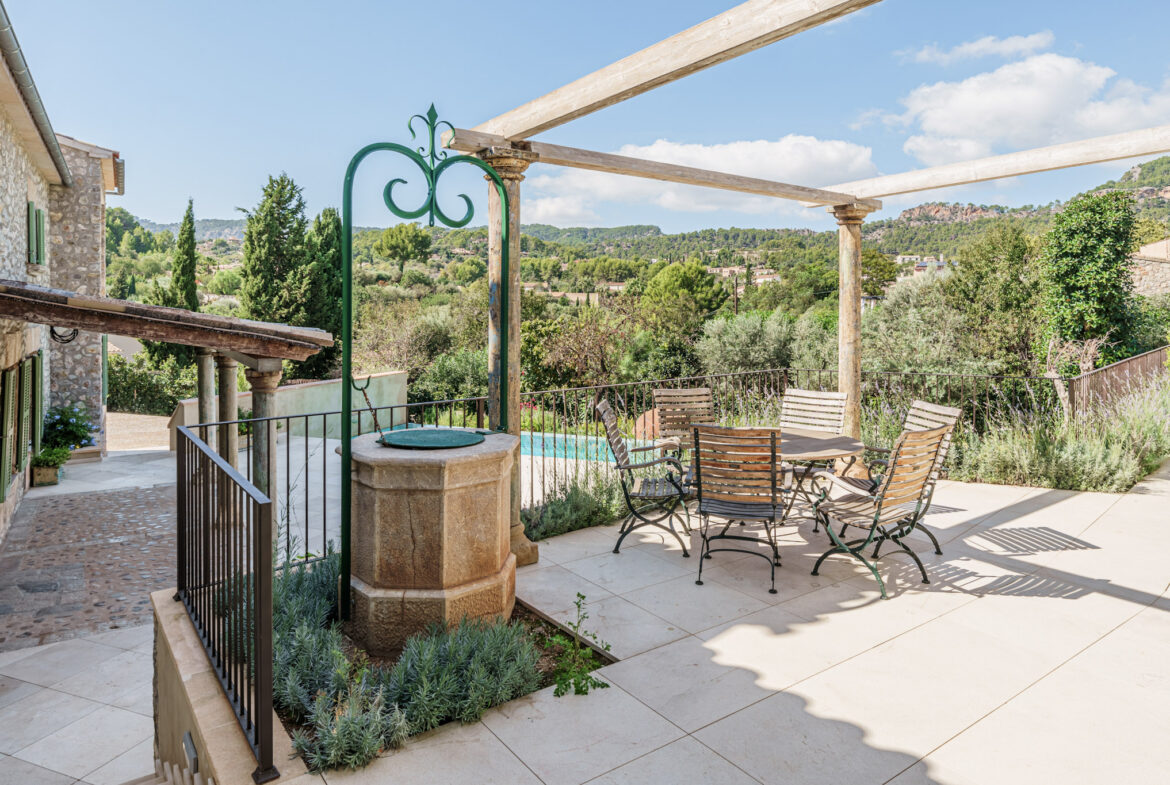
<point>206,99</point>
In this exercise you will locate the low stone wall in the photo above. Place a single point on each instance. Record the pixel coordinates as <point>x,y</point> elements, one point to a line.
<point>1151,277</point>
<point>189,698</point>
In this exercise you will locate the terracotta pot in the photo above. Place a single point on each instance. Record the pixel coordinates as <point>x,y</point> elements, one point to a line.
<point>45,475</point>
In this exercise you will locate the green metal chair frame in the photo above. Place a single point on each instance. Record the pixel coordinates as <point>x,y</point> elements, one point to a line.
<point>883,514</point>
<point>738,477</point>
<point>650,501</point>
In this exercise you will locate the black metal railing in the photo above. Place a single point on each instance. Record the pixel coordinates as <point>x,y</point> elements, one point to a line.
<point>225,554</point>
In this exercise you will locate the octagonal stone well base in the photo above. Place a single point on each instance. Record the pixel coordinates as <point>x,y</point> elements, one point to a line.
<point>430,538</point>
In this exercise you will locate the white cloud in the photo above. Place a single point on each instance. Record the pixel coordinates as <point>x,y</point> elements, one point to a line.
<point>1042,100</point>
<point>571,195</point>
<point>988,46</point>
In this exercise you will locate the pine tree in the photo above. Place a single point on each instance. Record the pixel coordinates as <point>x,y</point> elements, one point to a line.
<point>183,292</point>
<point>317,289</point>
<point>274,252</point>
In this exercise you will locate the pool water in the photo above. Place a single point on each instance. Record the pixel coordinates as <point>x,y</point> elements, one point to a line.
<point>570,447</point>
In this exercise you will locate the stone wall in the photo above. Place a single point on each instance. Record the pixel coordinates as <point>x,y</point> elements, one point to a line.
<point>78,240</point>
<point>20,183</point>
<point>1151,276</point>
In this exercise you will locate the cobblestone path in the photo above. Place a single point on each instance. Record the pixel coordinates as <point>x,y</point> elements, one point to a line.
<point>83,563</point>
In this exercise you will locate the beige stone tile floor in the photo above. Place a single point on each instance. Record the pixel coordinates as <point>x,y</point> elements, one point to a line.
<point>1035,655</point>
<point>78,711</point>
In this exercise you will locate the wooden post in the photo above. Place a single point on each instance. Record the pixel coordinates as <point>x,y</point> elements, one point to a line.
<point>205,386</point>
<point>849,218</point>
<point>510,164</point>
<point>229,409</point>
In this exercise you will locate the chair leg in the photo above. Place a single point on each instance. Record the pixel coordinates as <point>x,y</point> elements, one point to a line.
<point>706,546</point>
<point>913,556</point>
<point>933,539</point>
<point>854,549</point>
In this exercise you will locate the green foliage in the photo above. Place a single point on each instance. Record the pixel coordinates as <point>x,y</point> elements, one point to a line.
<point>405,242</point>
<point>225,282</point>
<point>1107,449</point>
<point>119,222</point>
<point>183,292</point>
<point>996,289</point>
<point>51,457</point>
<point>1088,286</point>
<point>748,342</point>
<point>594,499</point>
<point>67,426</point>
<point>877,271</point>
<point>274,253</point>
<point>577,661</point>
<point>689,280</point>
<point>468,271</point>
<point>814,339</point>
<point>351,710</point>
<point>138,386</point>
<point>316,287</point>
<point>657,357</point>
<point>458,374</point>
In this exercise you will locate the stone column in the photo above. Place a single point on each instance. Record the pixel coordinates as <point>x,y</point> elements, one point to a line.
<point>510,164</point>
<point>849,218</point>
<point>229,408</point>
<point>263,384</point>
<point>205,387</point>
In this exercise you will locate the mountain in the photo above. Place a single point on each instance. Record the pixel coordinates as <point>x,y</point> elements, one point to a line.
<point>205,228</point>
<point>577,235</point>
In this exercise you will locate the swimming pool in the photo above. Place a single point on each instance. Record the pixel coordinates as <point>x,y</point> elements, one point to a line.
<point>570,446</point>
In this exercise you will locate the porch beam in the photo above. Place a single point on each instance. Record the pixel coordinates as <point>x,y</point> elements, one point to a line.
<point>740,30</point>
<point>1100,149</point>
<point>469,141</point>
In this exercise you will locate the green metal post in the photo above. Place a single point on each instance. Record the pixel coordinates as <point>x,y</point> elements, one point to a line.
<point>432,163</point>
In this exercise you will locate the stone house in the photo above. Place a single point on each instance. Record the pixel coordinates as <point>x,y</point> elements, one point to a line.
<point>52,233</point>
<point>1151,269</point>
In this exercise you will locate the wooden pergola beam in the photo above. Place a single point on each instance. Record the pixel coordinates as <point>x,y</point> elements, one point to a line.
<point>468,141</point>
<point>1101,149</point>
<point>742,29</point>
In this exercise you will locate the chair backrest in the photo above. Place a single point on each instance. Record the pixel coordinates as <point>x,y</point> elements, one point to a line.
<point>737,464</point>
<point>613,434</point>
<point>680,408</point>
<point>911,466</point>
<point>812,410</point>
<point>923,416</point>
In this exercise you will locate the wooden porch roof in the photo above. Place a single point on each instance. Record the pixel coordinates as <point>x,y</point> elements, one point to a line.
<point>58,308</point>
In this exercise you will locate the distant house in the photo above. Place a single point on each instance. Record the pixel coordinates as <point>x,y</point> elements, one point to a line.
<point>52,233</point>
<point>1151,269</point>
<point>931,264</point>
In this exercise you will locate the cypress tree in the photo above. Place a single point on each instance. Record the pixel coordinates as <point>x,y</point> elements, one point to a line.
<point>317,289</point>
<point>274,253</point>
<point>183,293</point>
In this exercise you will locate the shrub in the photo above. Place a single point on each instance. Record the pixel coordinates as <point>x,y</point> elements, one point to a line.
<point>747,342</point>
<point>458,374</point>
<point>1107,449</point>
<point>578,503</point>
<point>51,457</point>
<point>67,426</point>
<point>352,710</point>
<point>137,387</point>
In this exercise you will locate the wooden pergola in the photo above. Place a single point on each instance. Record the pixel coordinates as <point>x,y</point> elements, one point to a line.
<point>506,143</point>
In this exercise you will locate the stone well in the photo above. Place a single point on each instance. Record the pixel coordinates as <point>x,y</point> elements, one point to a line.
<point>430,538</point>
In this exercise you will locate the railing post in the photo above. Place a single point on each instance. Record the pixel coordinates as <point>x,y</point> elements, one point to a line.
<point>479,413</point>
<point>181,517</point>
<point>262,639</point>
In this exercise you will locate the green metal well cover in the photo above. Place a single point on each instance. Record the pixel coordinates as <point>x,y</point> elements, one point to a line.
<point>429,439</point>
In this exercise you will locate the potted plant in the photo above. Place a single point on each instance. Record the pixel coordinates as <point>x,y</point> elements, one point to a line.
<point>46,465</point>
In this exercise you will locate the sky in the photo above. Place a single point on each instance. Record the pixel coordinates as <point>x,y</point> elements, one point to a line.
<point>206,100</point>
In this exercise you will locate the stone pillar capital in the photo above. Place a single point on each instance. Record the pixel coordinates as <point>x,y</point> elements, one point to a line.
<point>849,214</point>
<point>262,381</point>
<point>223,361</point>
<point>509,162</point>
<point>203,351</point>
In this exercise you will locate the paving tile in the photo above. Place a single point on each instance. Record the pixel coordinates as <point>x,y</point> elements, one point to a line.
<point>553,589</point>
<point>453,754</point>
<point>91,742</point>
<point>18,772</point>
<point>578,545</point>
<point>12,690</point>
<point>685,682</point>
<point>694,608</point>
<point>126,637</point>
<point>59,661</point>
<point>628,629</point>
<point>683,762</point>
<point>111,679</point>
<point>631,569</point>
<point>136,762</point>
<point>39,715</point>
<point>576,737</point>
<point>139,700</point>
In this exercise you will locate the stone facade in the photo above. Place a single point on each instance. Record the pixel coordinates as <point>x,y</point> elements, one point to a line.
<point>20,183</point>
<point>1151,269</point>
<point>78,240</point>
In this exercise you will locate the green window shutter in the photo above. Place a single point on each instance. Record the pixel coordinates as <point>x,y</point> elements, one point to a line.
<point>38,396</point>
<point>9,402</point>
<point>40,236</point>
<point>32,233</point>
<point>24,431</point>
